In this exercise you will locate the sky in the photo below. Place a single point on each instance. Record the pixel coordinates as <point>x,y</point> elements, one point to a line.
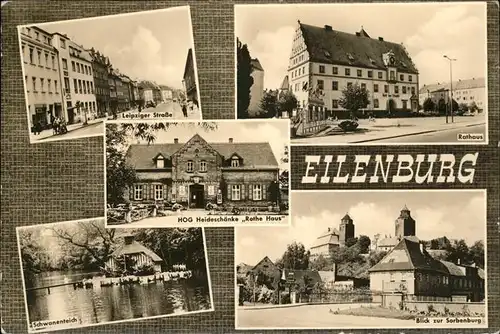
<point>149,45</point>
<point>454,214</point>
<point>428,31</point>
<point>274,132</point>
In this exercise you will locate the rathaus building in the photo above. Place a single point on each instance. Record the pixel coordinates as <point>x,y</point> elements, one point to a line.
<point>324,61</point>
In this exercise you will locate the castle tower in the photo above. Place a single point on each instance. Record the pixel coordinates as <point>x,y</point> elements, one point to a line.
<point>405,224</point>
<point>346,229</point>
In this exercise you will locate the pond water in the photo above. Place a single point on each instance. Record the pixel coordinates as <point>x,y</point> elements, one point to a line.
<point>105,304</point>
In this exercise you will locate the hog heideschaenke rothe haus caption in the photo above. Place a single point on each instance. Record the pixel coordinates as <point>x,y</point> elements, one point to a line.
<point>75,77</point>
<point>338,82</point>
<point>197,174</point>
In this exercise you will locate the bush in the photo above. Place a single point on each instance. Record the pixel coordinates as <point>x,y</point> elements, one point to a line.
<point>348,125</point>
<point>430,308</point>
<point>285,299</point>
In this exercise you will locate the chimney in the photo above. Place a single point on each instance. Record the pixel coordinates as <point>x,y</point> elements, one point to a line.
<point>230,140</point>
<point>328,28</point>
<point>176,140</point>
<point>458,261</point>
<point>381,39</point>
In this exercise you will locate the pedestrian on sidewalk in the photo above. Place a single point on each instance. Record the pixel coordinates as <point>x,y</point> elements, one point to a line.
<point>184,110</point>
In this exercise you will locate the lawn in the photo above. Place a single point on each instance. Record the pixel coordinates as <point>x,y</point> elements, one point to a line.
<point>378,312</point>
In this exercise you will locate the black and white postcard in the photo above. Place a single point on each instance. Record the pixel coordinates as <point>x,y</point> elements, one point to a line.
<point>79,274</point>
<point>78,73</point>
<point>219,173</point>
<point>393,73</point>
<point>367,259</point>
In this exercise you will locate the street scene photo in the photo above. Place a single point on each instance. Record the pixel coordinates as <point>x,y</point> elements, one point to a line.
<point>359,79</point>
<point>189,173</point>
<point>79,274</point>
<point>366,259</point>
<point>78,73</point>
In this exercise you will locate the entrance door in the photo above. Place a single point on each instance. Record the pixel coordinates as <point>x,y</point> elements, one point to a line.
<point>196,193</point>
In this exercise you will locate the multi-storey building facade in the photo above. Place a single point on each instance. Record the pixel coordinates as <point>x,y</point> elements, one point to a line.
<point>190,79</point>
<point>82,82</point>
<point>196,173</point>
<point>469,91</point>
<point>324,61</point>
<point>166,93</point>
<point>100,65</point>
<point>42,76</point>
<point>257,88</point>
<point>134,87</point>
<point>124,92</point>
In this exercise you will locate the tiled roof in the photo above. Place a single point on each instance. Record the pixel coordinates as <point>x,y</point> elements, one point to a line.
<point>453,269</point>
<point>327,276</point>
<point>264,259</point>
<point>334,47</point>
<point>457,85</point>
<point>329,237</point>
<point>255,155</point>
<point>416,259</point>
<point>256,65</point>
<point>135,248</point>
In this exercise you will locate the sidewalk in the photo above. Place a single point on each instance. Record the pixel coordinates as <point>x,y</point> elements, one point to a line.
<point>385,128</point>
<point>71,127</point>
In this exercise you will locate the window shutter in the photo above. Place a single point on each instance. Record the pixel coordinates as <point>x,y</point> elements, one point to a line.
<point>243,193</point>
<point>151,191</point>
<point>264,191</point>
<point>250,190</point>
<point>165,189</point>
<point>229,192</point>
<point>131,192</point>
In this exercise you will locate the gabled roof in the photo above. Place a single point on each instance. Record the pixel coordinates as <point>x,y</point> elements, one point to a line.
<point>415,259</point>
<point>255,155</point>
<point>329,237</point>
<point>453,269</point>
<point>457,85</point>
<point>285,85</point>
<point>135,248</point>
<point>256,65</point>
<point>335,47</point>
<point>347,217</point>
<point>264,259</point>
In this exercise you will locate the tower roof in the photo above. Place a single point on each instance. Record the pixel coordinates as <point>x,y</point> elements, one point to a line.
<point>347,217</point>
<point>405,208</point>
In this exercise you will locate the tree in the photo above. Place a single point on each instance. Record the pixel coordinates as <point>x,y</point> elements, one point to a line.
<point>454,105</point>
<point>429,104</point>
<point>476,253</point>
<point>458,251</point>
<point>364,244</point>
<point>244,79</point>
<point>442,107</point>
<point>463,107</point>
<point>269,104</point>
<point>375,257</point>
<point>354,98</point>
<point>287,102</point>
<point>90,242</point>
<point>119,174</point>
<point>473,107</point>
<point>305,286</point>
<point>321,263</point>
<point>351,242</point>
<point>295,257</point>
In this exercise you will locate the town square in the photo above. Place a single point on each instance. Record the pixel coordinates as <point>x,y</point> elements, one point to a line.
<point>344,79</point>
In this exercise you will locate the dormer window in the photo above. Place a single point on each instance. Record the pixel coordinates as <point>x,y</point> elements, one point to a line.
<point>351,58</point>
<point>372,61</point>
<point>160,163</point>
<point>235,162</point>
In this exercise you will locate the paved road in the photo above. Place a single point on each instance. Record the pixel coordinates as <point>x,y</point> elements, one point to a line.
<point>446,136</point>
<point>85,131</point>
<point>393,127</point>
<point>311,316</point>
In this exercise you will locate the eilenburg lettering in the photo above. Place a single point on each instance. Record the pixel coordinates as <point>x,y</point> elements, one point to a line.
<point>423,168</point>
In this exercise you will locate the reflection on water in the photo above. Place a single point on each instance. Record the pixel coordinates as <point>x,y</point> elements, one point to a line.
<point>104,304</point>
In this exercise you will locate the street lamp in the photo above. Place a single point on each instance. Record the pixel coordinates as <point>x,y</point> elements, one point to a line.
<point>451,85</point>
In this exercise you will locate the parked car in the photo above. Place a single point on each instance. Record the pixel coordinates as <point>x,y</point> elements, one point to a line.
<point>150,104</point>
